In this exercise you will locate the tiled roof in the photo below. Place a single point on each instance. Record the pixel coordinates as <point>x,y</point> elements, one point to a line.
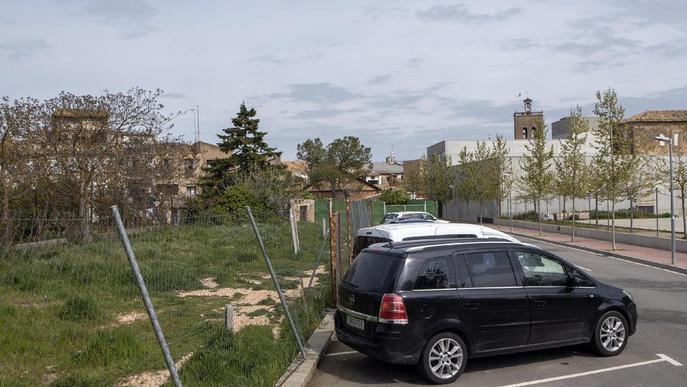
<point>385,168</point>
<point>659,116</point>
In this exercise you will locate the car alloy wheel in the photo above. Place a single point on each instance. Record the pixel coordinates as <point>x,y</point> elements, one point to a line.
<point>443,359</point>
<point>612,333</point>
<point>610,336</point>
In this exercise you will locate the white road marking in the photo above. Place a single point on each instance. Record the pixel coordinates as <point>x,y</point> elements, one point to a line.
<point>341,353</point>
<point>670,360</point>
<point>661,358</point>
<point>584,268</point>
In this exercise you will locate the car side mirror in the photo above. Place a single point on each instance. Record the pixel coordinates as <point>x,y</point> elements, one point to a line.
<point>570,282</point>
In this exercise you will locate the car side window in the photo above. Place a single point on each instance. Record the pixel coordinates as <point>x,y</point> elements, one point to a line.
<point>540,270</point>
<point>490,269</point>
<point>581,279</point>
<point>435,274</point>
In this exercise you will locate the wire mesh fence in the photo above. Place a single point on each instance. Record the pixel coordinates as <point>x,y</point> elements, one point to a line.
<point>71,313</point>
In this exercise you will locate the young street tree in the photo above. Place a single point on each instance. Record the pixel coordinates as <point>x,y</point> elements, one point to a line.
<point>537,177</point>
<point>440,179</point>
<point>613,161</point>
<point>343,161</point>
<point>502,172</point>
<point>571,169</point>
<point>247,148</point>
<point>642,176</point>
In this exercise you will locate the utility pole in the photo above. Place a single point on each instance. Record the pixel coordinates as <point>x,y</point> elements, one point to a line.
<point>669,141</point>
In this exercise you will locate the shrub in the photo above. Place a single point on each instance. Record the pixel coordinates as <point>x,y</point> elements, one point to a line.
<point>79,308</point>
<point>394,196</point>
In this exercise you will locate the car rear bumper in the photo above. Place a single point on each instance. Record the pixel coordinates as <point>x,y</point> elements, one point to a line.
<point>387,348</point>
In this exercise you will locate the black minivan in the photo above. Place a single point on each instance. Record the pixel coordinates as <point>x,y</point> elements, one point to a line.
<point>436,303</point>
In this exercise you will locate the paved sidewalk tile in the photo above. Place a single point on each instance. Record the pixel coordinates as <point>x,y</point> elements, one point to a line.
<point>638,252</point>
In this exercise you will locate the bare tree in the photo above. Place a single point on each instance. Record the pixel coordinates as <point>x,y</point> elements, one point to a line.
<point>91,138</point>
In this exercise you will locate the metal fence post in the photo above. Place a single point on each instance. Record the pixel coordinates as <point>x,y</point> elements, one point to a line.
<point>275,281</point>
<point>146,297</point>
<point>349,231</point>
<point>332,256</point>
<point>339,257</point>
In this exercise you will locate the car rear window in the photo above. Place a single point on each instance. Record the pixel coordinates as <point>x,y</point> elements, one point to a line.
<point>362,242</point>
<point>373,272</point>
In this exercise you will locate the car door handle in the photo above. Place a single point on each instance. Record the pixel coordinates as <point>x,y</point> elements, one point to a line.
<point>473,305</point>
<point>539,303</point>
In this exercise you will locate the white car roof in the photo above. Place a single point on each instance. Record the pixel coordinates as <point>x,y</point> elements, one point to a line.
<point>400,231</point>
<point>401,213</point>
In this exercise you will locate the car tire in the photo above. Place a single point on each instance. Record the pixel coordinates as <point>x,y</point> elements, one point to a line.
<point>443,358</point>
<point>611,334</point>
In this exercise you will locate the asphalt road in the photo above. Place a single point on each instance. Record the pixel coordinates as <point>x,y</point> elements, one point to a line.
<point>662,329</point>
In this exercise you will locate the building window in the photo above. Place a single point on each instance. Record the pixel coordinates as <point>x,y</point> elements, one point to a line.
<point>532,132</point>
<point>524,132</point>
<point>189,164</point>
<point>191,190</point>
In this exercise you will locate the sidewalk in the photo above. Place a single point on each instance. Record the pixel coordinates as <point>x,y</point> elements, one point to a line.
<point>649,256</point>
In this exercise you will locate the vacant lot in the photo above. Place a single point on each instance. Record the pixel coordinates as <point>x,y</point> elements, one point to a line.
<point>72,315</point>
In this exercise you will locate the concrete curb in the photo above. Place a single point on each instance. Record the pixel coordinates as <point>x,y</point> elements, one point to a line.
<point>300,371</point>
<point>609,254</point>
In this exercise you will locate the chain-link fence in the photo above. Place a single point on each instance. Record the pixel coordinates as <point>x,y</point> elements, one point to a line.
<point>71,313</point>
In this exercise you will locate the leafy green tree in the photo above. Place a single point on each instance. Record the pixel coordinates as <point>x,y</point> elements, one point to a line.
<point>440,179</point>
<point>394,196</point>
<point>536,163</point>
<point>247,148</point>
<point>643,174</point>
<point>502,173</point>
<point>414,177</point>
<point>343,161</point>
<point>614,160</point>
<point>571,169</point>
<point>467,177</point>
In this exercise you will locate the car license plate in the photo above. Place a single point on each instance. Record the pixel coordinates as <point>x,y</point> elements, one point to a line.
<point>355,322</point>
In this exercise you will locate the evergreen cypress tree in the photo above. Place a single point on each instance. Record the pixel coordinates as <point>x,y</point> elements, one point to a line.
<point>248,149</point>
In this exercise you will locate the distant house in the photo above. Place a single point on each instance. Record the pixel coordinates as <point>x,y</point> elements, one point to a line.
<point>297,168</point>
<point>385,175</point>
<point>645,126</point>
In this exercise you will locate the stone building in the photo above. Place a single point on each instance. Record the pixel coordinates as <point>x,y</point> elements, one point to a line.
<point>525,122</point>
<point>645,126</point>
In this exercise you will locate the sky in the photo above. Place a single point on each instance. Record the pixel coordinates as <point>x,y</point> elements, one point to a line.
<point>401,75</point>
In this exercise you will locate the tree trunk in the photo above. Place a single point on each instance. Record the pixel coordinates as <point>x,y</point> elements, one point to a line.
<point>497,216</point>
<point>572,230</point>
<point>480,211</point>
<point>632,215</point>
<point>613,223</point>
<point>7,233</point>
<point>684,220</point>
<point>84,216</point>
<point>596,211</point>
<point>539,217</point>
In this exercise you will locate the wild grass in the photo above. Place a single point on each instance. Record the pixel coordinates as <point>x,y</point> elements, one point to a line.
<point>60,305</point>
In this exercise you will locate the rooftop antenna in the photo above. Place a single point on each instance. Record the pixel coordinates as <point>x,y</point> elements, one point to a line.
<point>196,123</point>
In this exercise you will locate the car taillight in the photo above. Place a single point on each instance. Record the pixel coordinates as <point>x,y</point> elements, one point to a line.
<point>392,310</point>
